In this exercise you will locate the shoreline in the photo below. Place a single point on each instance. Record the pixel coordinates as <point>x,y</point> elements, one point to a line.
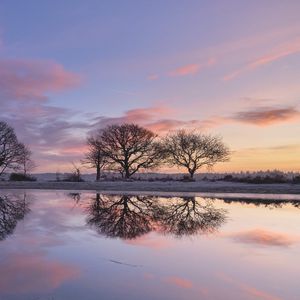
<point>157,186</point>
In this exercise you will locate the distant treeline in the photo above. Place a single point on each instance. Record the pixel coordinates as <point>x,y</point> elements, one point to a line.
<point>264,178</point>
<point>130,151</point>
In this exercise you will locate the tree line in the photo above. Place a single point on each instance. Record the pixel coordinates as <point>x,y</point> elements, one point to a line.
<point>127,149</point>
<point>14,155</point>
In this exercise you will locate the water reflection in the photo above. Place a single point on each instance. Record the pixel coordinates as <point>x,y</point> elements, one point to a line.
<point>129,217</point>
<point>12,210</point>
<point>53,254</point>
<point>123,216</point>
<point>188,215</point>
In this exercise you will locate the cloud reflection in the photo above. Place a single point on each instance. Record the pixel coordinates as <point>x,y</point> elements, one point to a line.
<point>264,237</point>
<point>32,272</point>
<point>180,282</point>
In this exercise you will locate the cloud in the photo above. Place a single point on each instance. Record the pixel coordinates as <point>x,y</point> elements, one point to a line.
<point>250,290</point>
<point>139,115</point>
<point>24,89</point>
<point>191,69</point>
<point>53,133</point>
<point>154,118</point>
<point>264,237</point>
<point>276,54</point>
<point>33,273</point>
<point>32,79</point>
<point>185,70</point>
<point>265,116</point>
<point>180,282</point>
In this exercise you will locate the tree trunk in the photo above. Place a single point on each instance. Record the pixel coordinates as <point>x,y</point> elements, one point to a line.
<point>98,173</point>
<point>192,172</point>
<point>127,174</point>
<point>126,169</point>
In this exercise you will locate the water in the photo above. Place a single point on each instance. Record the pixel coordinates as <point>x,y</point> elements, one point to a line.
<point>60,245</point>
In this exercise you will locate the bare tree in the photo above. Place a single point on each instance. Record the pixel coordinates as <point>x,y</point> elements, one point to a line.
<point>26,163</point>
<point>130,147</point>
<point>11,150</point>
<point>95,157</point>
<point>193,150</point>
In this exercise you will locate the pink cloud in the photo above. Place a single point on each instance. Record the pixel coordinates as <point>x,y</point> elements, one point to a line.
<point>180,282</point>
<point>276,54</point>
<point>191,69</point>
<point>186,70</point>
<point>142,115</point>
<point>31,79</point>
<point>165,125</point>
<point>159,119</point>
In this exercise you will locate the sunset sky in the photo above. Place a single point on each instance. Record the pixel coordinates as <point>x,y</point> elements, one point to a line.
<point>230,68</point>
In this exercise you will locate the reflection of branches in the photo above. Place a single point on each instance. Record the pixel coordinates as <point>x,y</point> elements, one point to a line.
<point>187,216</point>
<point>12,210</point>
<point>128,217</point>
<point>121,216</point>
<point>75,196</point>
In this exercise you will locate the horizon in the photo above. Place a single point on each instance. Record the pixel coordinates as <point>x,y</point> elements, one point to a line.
<point>67,69</point>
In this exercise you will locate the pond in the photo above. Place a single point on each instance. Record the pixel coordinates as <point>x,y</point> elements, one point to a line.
<point>62,245</point>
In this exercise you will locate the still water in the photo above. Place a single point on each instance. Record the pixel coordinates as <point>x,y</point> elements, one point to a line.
<point>60,245</point>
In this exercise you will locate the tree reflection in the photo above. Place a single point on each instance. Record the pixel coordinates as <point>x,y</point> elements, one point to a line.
<point>123,216</point>
<point>128,217</point>
<point>12,210</point>
<point>188,215</point>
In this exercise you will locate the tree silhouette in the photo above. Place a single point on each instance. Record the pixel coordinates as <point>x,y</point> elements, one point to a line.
<point>126,217</point>
<point>12,210</point>
<point>129,217</point>
<point>193,150</point>
<point>130,148</point>
<point>187,216</point>
<point>11,150</point>
<point>26,162</point>
<point>95,157</point>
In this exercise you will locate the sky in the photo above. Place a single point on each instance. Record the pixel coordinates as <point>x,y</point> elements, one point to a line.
<point>228,68</point>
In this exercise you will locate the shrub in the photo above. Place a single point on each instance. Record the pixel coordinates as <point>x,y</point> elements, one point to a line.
<point>73,178</point>
<point>187,178</point>
<point>296,179</point>
<point>21,177</point>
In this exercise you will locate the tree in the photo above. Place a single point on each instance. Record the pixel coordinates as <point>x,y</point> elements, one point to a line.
<point>193,150</point>
<point>11,150</point>
<point>95,157</point>
<point>130,147</point>
<point>75,176</point>
<point>26,163</point>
